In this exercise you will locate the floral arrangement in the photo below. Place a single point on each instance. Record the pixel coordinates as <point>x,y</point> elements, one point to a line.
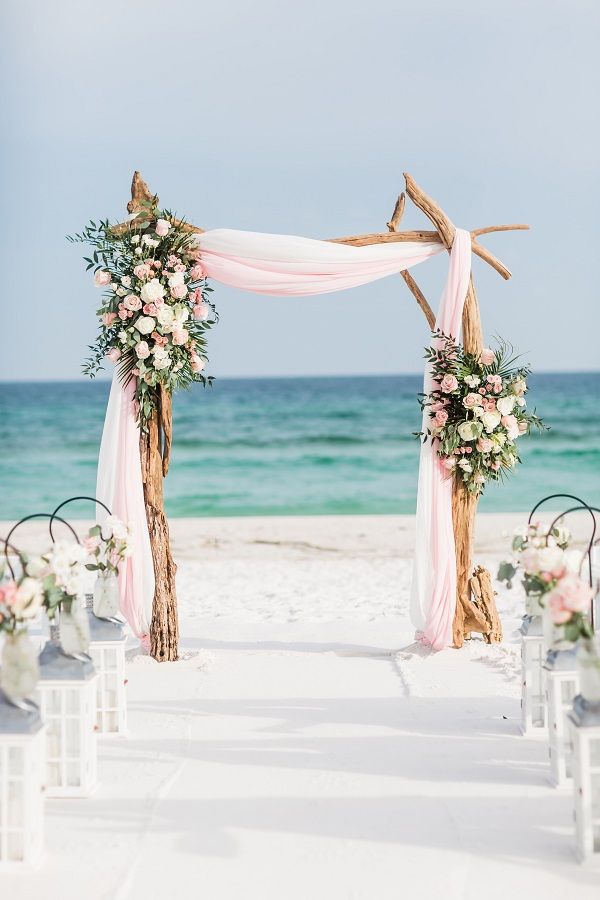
<point>551,575</point>
<point>476,410</point>
<point>108,545</point>
<point>155,307</point>
<point>20,601</point>
<point>61,574</point>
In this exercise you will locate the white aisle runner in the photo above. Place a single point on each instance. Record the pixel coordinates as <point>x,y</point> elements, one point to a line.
<point>288,760</point>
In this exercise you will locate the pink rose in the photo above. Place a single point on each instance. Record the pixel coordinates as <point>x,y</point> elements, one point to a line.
<point>123,313</point>
<point>8,593</point>
<point>156,263</point>
<point>132,302</point>
<point>558,613</point>
<point>180,336</point>
<point>495,465</point>
<point>441,417</point>
<point>489,404</point>
<point>496,383</point>
<point>471,400</point>
<point>108,318</point>
<point>162,227</point>
<point>142,350</point>
<point>201,311</point>
<point>488,357</point>
<point>178,291</point>
<point>91,543</point>
<point>448,384</point>
<point>102,278</point>
<point>142,271</point>
<point>114,355</point>
<point>197,363</point>
<point>573,594</point>
<point>485,445</point>
<point>511,425</point>
<point>150,309</point>
<point>196,272</point>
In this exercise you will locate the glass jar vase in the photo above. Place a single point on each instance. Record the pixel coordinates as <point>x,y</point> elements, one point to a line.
<point>20,670</point>
<point>106,596</point>
<point>74,629</point>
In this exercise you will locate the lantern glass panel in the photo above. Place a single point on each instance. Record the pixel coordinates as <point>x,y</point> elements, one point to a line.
<point>73,774</point>
<point>596,838</point>
<point>72,735</point>
<point>16,760</point>
<point>53,738</point>
<point>15,804</point>
<point>53,772</point>
<point>568,689</point>
<point>53,702</point>
<point>595,785</point>
<point>595,752</point>
<point>15,846</point>
<point>72,702</point>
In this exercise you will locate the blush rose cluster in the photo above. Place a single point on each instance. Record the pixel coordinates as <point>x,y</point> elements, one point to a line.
<point>476,410</point>
<point>155,308</point>
<point>552,574</point>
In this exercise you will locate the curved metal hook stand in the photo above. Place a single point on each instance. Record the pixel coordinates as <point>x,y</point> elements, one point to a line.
<point>72,500</point>
<point>553,497</point>
<point>26,519</point>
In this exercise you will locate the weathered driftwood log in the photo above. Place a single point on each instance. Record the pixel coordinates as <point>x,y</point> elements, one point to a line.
<point>484,594</point>
<point>154,451</point>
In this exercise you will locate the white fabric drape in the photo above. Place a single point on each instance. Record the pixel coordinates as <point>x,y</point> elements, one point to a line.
<point>433,595</point>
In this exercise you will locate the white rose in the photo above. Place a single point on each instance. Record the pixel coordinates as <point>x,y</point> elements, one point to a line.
<point>126,281</point>
<point>36,566</point>
<point>145,324</point>
<point>152,291</point>
<point>505,405</point>
<point>135,239</point>
<point>181,314</point>
<point>176,278</point>
<point>138,251</point>
<point>162,362</point>
<point>520,401</point>
<point>116,527</point>
<point>550,558</point>
<point>491,420</point>
<point>121,291</point>
<point>165,317</point>
<point>470,431</point>
<point>28,600</point>
<point>478,411</point>
<point>472,380</point>
<point>465,466</point>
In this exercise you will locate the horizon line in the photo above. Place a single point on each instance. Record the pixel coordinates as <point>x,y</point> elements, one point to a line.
<point>107,380</point>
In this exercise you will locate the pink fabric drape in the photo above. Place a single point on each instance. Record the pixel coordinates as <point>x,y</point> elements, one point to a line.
<point>279,265</point>
<point>119,485</point>
<point>285,265</point>
<point>433,598</point>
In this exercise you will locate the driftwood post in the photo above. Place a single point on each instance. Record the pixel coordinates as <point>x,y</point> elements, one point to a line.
<point>475,607</point>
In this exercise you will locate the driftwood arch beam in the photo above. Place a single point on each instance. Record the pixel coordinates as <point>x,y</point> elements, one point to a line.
<point>475,607</point>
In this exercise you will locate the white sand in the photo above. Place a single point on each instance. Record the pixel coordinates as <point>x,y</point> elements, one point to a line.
<point>299,752</point>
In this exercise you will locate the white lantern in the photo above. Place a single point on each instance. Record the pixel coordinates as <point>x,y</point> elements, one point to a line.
<point>562,686</point>
<point>67,699</point>
<point>585,719</point>
<point>107,649</point>
<point>21,784</point>
<point>533,687</point>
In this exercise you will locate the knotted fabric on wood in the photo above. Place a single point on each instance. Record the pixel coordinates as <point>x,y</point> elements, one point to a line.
<point>279,265</point>
<point>433,598</point>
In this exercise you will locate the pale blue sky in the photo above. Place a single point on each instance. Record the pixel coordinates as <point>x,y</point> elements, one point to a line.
<point>301,117</point>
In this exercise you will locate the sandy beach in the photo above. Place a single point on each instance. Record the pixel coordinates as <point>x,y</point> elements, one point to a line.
<point>303,732</point>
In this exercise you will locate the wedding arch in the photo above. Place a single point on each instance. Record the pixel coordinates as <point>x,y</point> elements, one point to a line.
<point>450,599</point>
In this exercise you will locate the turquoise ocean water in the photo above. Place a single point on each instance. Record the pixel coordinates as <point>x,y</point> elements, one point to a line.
<point>286,446</point>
